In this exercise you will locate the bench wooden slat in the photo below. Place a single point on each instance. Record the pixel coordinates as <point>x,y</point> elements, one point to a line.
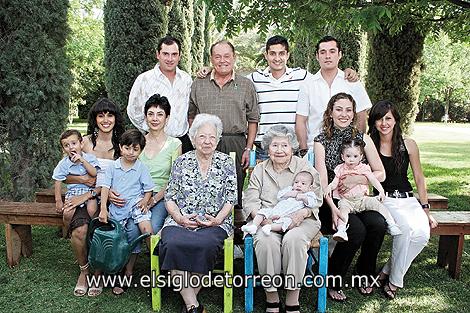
<point>32,209</point>
<point>437,202</point>
<point>47,195</point>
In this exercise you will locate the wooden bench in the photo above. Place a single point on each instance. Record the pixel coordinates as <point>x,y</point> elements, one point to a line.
<point>18,218</point>
<point>452,228</point>
<point>47,195</point>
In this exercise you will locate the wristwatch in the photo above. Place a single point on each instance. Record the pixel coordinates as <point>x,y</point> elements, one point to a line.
<point>426,206</point>
<point>93,194</point>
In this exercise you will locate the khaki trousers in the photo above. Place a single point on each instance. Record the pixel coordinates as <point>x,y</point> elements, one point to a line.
<point>285,252</point>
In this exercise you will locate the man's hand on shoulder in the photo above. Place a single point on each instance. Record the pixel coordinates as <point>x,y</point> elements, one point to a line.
<point>351,75</point>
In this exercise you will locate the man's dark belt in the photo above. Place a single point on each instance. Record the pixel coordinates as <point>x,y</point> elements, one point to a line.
<point>233,134</point>
<point>398,194</point>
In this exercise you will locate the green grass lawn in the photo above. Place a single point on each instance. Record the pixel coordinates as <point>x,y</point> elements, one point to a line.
<point>44,282</point>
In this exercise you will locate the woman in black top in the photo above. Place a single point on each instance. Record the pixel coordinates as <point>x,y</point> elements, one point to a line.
<point>414,219</point>
<point>366,229</point>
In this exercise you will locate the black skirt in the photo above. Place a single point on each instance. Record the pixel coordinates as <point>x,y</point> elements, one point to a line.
<point>191,251</point>
<point>80,217</point>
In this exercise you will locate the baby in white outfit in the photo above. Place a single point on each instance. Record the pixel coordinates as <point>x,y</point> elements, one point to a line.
<point>291,199</point>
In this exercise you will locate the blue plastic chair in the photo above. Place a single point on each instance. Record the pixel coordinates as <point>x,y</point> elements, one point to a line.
<point>315,255</point>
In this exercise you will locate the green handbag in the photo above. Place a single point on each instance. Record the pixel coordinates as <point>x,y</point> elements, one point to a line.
<point>108,249</point>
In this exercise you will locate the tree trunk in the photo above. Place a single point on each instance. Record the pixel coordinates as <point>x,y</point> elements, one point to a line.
<point>394,69</point>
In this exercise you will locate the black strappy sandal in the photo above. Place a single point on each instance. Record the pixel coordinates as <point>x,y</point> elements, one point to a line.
<point>292,308</point>
<point>273,305</point>
<point>389,293</point>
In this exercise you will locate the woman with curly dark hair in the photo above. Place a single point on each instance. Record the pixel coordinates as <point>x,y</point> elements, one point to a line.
<point>105,127</point>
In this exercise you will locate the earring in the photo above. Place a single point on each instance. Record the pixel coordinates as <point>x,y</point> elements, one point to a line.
<point>95,132</point>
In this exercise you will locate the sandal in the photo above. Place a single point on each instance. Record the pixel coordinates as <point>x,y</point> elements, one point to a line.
<point>95,291</point>
<point>338,292</point>
<point>389,292</point>
<point>119,290</point>
<point>293,308</point>
<point>381,281</point>
<point>273,305</point>
<point>81,290</point>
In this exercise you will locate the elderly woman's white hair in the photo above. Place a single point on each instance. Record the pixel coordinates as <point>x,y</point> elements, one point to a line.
<point>204,119</point>
<point>279,131</point>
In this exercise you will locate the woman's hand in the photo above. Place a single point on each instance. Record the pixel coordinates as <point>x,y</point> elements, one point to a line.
<point>327,192</point>
<point>347,182</point>
<point>335,216</point>
<point>143,206</point>
<point>432,221</point>
<point>297,218</point>
<point>209,222</point>
<point>73,202</point>
<point>88,180</point>
<point>188,221</point>
<point>115,199</point>
<point>154,200</point>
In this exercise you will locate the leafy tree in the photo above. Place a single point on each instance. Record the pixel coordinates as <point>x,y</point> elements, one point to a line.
<point>388,19</point>
<point>198,40</point>
<point>394,70</point>
<point>132,30</point>
<point>34,93</point>
<point>208,22</point>
<point>450,86</point>
<point>85,50</point>
<point>179,27</point>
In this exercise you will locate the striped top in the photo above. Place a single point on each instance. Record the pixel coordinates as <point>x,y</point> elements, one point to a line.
<point>277,98</point>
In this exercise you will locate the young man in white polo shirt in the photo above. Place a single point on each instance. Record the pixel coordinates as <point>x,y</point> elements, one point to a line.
<point>316,91</point>
<point>277,87</point>
<point>167,80</point>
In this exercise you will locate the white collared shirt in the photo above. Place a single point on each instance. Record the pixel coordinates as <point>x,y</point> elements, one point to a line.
<point>315,93</point>
<point>277,98</point>
<point>153,81</point>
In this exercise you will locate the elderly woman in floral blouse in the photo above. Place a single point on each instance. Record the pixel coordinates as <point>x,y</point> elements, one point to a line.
<point>199,198</point>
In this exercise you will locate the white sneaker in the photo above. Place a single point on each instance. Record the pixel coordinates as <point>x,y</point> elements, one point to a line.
<point>250,229</point>
<point>394,230</point>
<point>266,229</point>
<point>341,234</point>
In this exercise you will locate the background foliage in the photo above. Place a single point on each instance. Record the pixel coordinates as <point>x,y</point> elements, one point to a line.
<point>387,22</point>
<point>132,30</point>
<point>445,86</point>
<point>34,92</point>
<point>85,50</point>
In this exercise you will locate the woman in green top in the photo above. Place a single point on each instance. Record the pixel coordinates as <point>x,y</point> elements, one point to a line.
<point>158,155</point>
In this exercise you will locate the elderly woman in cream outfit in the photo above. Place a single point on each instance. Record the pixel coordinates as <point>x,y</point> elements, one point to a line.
<point>288,250</point>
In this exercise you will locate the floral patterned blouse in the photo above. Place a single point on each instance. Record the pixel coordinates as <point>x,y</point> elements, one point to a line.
<point>333,146</point>
<point>190,191</point>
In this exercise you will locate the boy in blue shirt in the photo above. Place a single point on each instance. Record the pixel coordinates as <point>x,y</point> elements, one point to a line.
<point>131,179</point>
<point>77,163</point>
